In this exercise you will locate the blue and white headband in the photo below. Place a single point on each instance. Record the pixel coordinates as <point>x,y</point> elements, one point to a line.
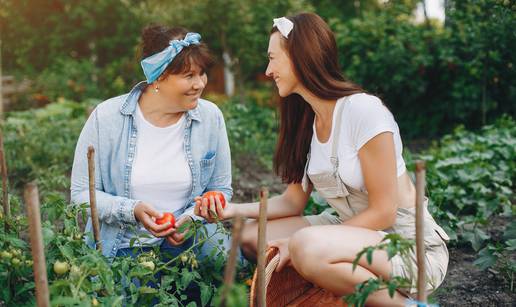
<point>154,65</point>
<point>284,25</point>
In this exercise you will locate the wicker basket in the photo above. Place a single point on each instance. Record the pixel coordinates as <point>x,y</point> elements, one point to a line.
<point>288,288</point>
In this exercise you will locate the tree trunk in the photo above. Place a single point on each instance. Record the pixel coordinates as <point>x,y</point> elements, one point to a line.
<point>229,76</point>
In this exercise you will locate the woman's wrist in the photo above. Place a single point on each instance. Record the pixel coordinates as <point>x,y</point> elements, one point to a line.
<point>234,211</point>
<point>136,207</point>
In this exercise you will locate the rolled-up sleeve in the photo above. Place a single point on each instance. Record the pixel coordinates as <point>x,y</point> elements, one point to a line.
<point>111,208</point>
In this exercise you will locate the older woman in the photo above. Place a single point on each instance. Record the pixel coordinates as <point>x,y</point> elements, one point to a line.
<point>158,147</point>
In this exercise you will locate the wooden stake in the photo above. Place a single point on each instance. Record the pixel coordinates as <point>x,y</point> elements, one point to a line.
<point>420,230</point>
<point>1,84</point>
<point>229,273</point>
<point>36,241</point>
<point>5,194</point>
<point>93,200</point>
<point>262,231</point>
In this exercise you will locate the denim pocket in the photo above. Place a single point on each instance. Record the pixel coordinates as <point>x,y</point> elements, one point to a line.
<point>207,166</point>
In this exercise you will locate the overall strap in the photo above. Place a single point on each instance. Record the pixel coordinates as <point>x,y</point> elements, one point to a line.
<point>336,134</point>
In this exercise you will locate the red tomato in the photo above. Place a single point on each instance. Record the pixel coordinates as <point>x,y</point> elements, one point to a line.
<point>215,194</point>
<point>167,217</point>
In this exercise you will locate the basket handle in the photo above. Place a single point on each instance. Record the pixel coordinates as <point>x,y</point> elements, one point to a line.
<point>271,267</point>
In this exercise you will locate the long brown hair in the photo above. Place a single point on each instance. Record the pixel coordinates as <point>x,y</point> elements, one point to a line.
<point>312,49</point>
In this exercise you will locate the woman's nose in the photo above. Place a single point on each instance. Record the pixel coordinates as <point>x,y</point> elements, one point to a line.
<point>268,71</point>
<point>198,83</point>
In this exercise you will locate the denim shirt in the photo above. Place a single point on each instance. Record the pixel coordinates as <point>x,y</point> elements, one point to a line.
<point>112,131</point>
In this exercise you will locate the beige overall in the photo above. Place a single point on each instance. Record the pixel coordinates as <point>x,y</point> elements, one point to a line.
<point>348,201</point>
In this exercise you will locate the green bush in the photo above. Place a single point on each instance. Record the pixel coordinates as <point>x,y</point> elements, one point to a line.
<point>471,176</point>
<point>434,77</point>
<point>471,179</point>
<point>252,131</point>
<point>40,144</point>
<point>67,77</point>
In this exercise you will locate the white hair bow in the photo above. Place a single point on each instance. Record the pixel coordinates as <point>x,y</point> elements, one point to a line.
<point>284,25</point>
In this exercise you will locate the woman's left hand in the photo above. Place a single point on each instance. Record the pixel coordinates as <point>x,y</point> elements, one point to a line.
<point>282,245</point>
<point>178,238</point>
<point>212,210</point>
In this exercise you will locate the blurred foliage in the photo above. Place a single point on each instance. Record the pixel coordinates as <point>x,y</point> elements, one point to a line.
<point>239,28</point>
<point>59,39</point>
<point>252,130</point>
<point>40,144</point>
<point>343,10</point>
<point>433,76</point>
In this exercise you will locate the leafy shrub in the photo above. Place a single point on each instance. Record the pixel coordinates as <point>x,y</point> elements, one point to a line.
<point>434,76</point>
<point>40,143</point>
<point>471,180</point>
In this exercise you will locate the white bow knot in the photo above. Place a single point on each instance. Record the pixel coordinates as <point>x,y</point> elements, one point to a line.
<point>284,25</point>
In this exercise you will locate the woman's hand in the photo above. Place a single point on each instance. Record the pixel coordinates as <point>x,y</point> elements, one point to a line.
<point>147,215</point>
<point>284,253</point>
<point>212,210</point>
<point>178,238</point>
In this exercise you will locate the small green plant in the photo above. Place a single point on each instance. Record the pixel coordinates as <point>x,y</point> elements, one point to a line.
<point>393,244</point>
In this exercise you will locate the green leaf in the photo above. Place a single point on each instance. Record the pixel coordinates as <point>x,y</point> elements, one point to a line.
<point>486,260</point>
<point>67,251</point>
<point>369,255</point>
<point>510,231</point>
<point>391,288</point>
<point>48,235</point>
<point>26,287</point>
<point>147,290</point>
<point>511,244</point>
<point>205,293</point>
<point>186,278</point>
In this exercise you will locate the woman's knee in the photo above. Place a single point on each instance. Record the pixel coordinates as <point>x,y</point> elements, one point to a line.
<point>249,239</point>
<point>306,251</point>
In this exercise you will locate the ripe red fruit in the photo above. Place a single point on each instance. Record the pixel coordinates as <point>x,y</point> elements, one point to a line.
<point>215,194</point>
<point>167,217</point>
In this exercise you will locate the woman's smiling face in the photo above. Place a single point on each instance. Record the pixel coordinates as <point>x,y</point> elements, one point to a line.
<point>280,66</point>
<point>184,89</point>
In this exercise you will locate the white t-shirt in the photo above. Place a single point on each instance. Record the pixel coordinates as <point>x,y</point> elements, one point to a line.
<point>363,117</point>
<point>160,175</point>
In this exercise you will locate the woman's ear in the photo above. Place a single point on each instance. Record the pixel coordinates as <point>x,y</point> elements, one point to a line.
<point>163,77</point>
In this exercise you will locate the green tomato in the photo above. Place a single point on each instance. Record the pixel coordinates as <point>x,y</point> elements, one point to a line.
<point>149,265</point>
<point>195,265</point>
<point>6,255</point>
<point>15,261</point>
<point>61,268</point>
